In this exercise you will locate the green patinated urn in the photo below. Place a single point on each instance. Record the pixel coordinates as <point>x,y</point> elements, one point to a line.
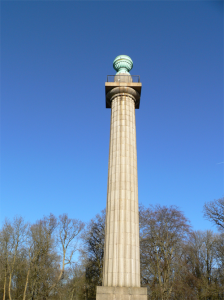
<point>123,64</point>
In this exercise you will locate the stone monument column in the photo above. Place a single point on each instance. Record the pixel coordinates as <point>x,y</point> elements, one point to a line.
<point>121,269</point>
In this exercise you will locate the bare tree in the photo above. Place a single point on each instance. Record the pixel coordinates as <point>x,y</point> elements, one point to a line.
<point>5,247</point>
<point>18,238</point>
<point>93,252</point>
<point>162,233</point>
<point>201,265</point>
<point>220,262</point>
<point>36,261</point>
<point>68,231</point>
<point>76,283</point>
<point>214,212</point>
<point>42,258</point>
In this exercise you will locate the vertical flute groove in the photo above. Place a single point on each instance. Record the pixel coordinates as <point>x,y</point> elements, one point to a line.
<point>121,258</point>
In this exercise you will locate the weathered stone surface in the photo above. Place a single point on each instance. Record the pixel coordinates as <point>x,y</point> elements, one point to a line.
<point>121,293</point>
<point>121,257</point>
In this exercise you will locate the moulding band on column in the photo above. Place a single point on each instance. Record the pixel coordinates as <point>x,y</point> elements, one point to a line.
<point>123,91</point>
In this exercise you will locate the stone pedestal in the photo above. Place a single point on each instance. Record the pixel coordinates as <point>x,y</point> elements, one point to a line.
<point>121,293</point>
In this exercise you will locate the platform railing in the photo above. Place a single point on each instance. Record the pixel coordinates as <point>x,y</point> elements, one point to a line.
<point>123,78</point>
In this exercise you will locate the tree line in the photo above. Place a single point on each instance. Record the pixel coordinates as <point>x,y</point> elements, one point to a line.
<point>62,258</point>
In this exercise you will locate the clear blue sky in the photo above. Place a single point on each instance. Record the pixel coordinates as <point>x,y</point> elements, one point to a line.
<point>55,56</point>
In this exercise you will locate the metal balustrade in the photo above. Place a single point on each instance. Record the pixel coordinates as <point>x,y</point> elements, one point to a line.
<point>123,78</point>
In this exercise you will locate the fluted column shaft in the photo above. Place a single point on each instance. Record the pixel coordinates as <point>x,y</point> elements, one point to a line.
<point>121,254</point>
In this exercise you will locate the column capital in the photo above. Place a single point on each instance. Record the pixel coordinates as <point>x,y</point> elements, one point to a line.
<point>129,88</point>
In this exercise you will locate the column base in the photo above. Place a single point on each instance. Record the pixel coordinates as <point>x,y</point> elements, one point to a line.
<point>121,293</point>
